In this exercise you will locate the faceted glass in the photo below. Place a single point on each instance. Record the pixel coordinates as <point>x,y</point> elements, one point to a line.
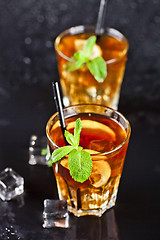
<point>80,86</point>
<point>105,134</point>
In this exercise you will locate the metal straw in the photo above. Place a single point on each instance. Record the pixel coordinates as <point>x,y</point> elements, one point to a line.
<point>101,16</point>
<point>57,98</point>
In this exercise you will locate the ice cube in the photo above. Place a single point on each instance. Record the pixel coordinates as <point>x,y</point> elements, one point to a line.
<point>101,145</point>
<point>55,214</point>
<point>38,150</point>
<point>11,184</point>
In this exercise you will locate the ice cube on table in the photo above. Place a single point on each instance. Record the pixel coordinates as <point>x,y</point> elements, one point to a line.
<point>37,146</point>
<point>11,184</point>
<point>55,214</point>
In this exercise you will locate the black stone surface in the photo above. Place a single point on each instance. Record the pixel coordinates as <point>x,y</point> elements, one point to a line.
<point>27,68</point>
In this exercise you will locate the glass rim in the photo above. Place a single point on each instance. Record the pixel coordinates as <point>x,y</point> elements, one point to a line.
<point>81,29</point>
<point>111,152</point>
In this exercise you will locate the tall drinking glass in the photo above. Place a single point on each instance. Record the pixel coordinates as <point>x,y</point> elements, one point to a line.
<point>80,86</point>
<point>105,135</point>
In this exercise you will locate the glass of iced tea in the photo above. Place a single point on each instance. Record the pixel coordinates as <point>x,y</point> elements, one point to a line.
<point>80,86</point>
<point>105,135</point>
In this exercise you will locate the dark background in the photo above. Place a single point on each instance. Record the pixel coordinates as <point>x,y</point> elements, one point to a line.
<point>27,68</point>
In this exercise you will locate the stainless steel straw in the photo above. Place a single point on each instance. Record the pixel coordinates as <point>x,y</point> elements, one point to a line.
<point>101,17</point>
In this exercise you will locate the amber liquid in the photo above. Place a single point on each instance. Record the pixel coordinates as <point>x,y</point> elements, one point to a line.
<point>99,192</point>
<point>80,86</point>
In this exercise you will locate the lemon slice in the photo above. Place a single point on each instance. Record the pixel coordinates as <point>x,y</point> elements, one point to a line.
<point>101,170</point>
<point>91,151</point>
<point>93,125</point>
<point>64,163</point>
<point>100,174</point>
<point>95,157</point>
<point>79,44</point>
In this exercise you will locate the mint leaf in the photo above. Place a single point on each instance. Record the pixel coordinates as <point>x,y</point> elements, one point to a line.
<point>50,162</point>
<point>78,60</point>
<point>44,151</point>
<point>77,131</point>
<point>88,47</point>
<point>80,165</point>
<point>70,138</point>
<point>78,127</point>
<point>59,153</point>
<point>97,67</point>
<point>80,162</point>
<point>79,148</point>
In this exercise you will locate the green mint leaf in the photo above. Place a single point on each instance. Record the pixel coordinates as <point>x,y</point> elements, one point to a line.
<point>80,162</point>
<point>59,153</point>
<point>79,148</point>
<point>70,138</point>
<point>49,162</point>
<point>44,152</point>
<point>88,47</point>
<point>78,60</point>
<point>80,165</point>
<point>78,127</point>
<point>98,68</point>
<point>77,130</point>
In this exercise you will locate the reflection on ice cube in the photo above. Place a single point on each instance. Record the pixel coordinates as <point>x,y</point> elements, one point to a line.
<point>36,150</point>
<point>55,214</point>
<point>101,145</point>
<point>11,184</point>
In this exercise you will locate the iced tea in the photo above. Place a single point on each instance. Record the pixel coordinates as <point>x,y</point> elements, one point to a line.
<point>105,134</point>
<point>80,86</point>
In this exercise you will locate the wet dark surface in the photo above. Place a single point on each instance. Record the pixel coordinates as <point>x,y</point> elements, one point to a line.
<point>27,68</point>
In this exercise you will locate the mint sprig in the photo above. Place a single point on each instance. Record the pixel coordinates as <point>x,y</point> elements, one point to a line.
<point>97,66</point>
<point>80,162</point>
<point>44,151</point>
